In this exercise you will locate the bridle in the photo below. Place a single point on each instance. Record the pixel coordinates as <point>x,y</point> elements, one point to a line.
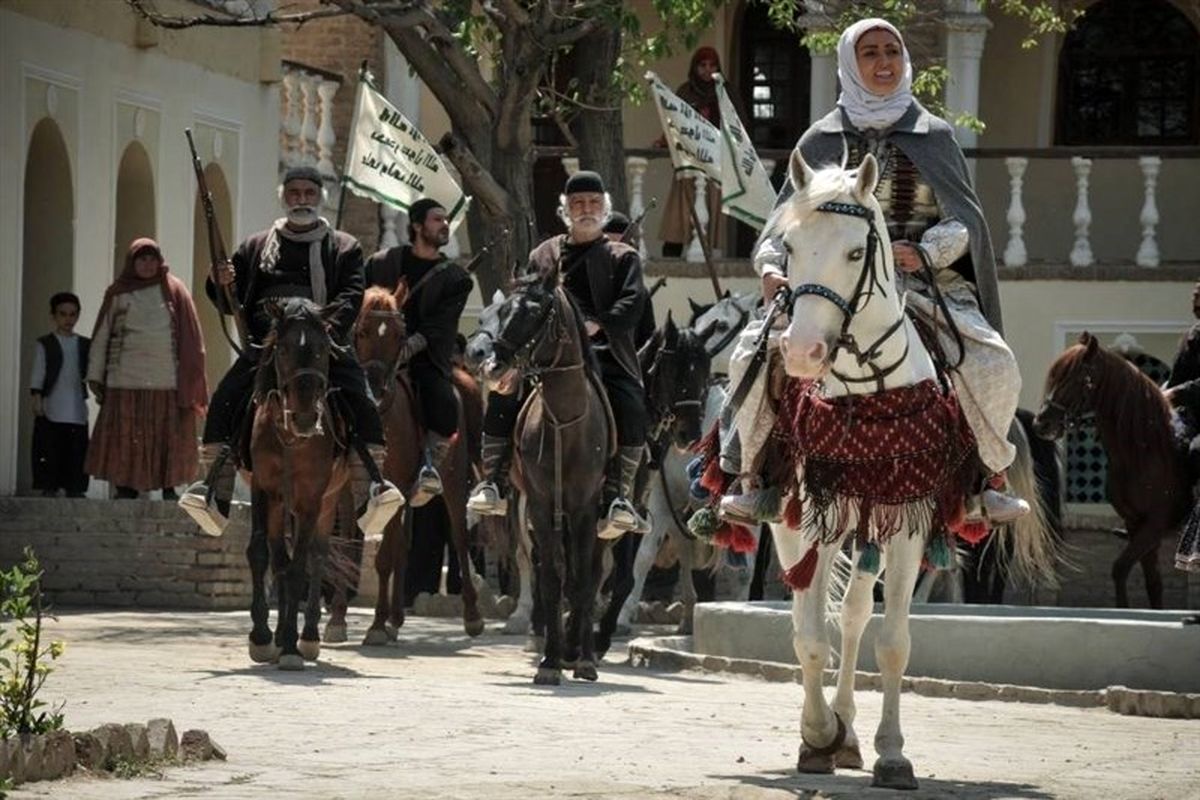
<point>1076,415</point>
<point>864,289</point>
<point>665,415</point>
<point>549,321</point>
<point>279,393</point>
<point>389,366</point>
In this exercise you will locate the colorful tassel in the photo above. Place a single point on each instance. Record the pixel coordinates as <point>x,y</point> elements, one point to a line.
<point>736,560</point>
<point>713,479</point>
<point>743,540</point>
<point>973,532</point>
<point>869,558</point>
<point>695,468</point>
<point>704,523</point>
<point>699,494</point>
<point>800,576</point>
<point>937,553</point>
<point>793,513</point>
<point>766,504</point>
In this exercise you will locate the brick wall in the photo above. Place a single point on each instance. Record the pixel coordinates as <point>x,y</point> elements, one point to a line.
<point>339,45</point>
<point>130,553</point>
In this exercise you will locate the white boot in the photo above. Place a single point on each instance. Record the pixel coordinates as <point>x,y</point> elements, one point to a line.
<point>194,500</point>
<point>383,499</point>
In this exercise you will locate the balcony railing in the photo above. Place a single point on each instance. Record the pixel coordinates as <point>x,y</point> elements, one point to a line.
<point>1011,247</point>
<point>306,133</point>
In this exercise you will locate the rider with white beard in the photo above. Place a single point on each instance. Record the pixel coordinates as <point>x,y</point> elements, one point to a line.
<point>604,278</point>
<point>300,255</point>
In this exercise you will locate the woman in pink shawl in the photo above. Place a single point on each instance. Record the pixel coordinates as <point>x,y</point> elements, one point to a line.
<point>147,372</point>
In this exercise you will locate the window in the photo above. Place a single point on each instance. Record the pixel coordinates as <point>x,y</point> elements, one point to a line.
<point>1129,74</point>
<point>773,74</point>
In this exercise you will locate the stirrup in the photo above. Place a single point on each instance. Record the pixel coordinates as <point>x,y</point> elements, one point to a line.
<point>622,518</point>
<point>487,501</point>
<point>998,508</point>
<point>751,508</point>
<point>383,501</point>
<point>427,486</point>
<point>194,501</point>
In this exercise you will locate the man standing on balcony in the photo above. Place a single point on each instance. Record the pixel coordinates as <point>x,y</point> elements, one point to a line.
<point>437,293</point>
<point>300,255</point>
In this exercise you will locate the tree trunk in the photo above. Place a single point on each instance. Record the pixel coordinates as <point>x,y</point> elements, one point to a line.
<point>600,133</point>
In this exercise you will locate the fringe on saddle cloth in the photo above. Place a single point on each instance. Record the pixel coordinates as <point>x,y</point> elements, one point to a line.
<point>899,458</point>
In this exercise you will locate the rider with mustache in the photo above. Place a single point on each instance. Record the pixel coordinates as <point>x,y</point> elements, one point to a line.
<point>932,215</point>
<point>300,255</point>
<point>604,278</point>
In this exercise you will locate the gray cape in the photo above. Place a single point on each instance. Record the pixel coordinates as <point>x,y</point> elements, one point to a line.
<point>929,143</point>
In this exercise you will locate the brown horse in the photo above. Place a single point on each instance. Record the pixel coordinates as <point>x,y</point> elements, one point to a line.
<point>563,447</point>
<point>379,337</point>
<point>299,470</point>
<point>1147,476</point>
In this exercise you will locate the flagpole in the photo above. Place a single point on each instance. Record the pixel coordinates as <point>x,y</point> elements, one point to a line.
<point>702,235</point>
<point>362,71</point>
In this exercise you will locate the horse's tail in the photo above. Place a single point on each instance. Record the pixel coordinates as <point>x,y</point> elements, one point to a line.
<point>1029,549</point>
<point>840,574</point>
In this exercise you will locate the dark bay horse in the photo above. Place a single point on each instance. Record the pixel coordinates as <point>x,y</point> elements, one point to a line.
<point>299,459</point>
<point>1147,475</point>
<point>379,337</point>
<point>563,444</point>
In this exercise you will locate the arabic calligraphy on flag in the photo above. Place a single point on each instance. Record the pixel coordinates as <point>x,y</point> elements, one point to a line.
<point>693,141</point>
<point>390,161</point>
<point>746,192</point>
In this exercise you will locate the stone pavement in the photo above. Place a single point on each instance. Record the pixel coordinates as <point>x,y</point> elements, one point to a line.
<point>441,716</point>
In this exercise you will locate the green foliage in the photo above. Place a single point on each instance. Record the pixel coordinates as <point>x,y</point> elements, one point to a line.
<point>25,660</point>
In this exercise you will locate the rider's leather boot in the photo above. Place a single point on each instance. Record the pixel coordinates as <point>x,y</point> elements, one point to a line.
<point>429,480</point>
<point>489,497</point>
<point>212,517</point>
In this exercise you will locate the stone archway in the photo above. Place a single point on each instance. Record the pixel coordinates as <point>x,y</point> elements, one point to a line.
<point>135,202</point>
<point>218,354</point>
<point>48,259</point>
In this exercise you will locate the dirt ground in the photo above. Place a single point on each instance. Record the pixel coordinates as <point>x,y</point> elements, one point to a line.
<point>437,715</point>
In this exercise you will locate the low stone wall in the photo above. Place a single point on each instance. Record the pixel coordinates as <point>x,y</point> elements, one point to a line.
<point>134,553</point>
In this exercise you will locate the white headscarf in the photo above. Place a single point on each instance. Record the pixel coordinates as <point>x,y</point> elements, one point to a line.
<point>867,110</point>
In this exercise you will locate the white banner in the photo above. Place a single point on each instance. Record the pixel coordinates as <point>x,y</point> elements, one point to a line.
<point>391,162</point>
<point>693,141</point>
<point>746,192</point>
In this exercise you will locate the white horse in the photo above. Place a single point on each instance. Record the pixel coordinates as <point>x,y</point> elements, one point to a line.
<point>834,231</point>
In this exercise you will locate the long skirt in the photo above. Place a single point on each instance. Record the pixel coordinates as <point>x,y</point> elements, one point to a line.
<point>676,227</point>
<point>143,440</point>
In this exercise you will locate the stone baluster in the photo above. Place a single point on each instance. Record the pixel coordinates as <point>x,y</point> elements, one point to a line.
<point>1147,254</point>
<point>695,251</point>
<point>635,171</point>
<point>308,127</point>
<point>326,138</point>
<point>1081,252</point>
<point>1014,251</point>
<point>291,150</point>
<point>389,218</point>
<point>570,165</point>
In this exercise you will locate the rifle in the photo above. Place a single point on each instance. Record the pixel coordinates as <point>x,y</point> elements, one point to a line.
<point>627,236</point>
<point>483,251</point>
<point>217,254</point>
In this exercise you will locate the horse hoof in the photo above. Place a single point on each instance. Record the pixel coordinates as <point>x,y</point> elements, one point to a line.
<point>585,671</point>
<point>894,774</point>
<point>264,653</point>
<point>376,637</point>
<point>392,630</point>
<point>849,757</point>
<point>334,633</point>
<point>547,676</point>
<point>309,650</point>
<point>293,662</point>
<point>473,627</point>
<point>813,762</point>
<point>516,626</point>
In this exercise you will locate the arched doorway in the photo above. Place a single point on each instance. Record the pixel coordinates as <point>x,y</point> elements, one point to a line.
<point>48,258</point>
<point>135,202</point>
<point>218,357</point>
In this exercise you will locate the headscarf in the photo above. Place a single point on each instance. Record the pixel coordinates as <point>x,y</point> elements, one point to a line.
<point>191,387</point>
<point>702,95</point>
<point>867,110</point>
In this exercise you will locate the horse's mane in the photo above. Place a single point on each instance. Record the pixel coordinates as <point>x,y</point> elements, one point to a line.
<point>828,183</point>
<point>1125,395</point>
<point>378,298</point>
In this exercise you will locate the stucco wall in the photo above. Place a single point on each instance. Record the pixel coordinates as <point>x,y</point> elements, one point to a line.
<point>92,86</point>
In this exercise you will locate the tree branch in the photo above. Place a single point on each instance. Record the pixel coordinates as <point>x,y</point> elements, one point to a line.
<point>483,186</point>
<point>144,9</point>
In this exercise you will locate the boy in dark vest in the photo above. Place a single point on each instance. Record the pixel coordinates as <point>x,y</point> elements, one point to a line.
<point>60,430</point>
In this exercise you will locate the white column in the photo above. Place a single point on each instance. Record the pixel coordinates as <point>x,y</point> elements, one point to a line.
<point>1081,252</point>
<point>966,30</point>
<point>326,138</point>
<point>308,127</point>
<point>695,251</point>
<point>292,150</point>
<point>389,218</point>
<point>1147,254</point>
<point>635,172</point>
<point>570,165</point>
<point>1014,251</point>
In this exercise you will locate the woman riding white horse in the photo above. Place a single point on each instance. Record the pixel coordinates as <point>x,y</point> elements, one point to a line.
<point>932,215</point>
